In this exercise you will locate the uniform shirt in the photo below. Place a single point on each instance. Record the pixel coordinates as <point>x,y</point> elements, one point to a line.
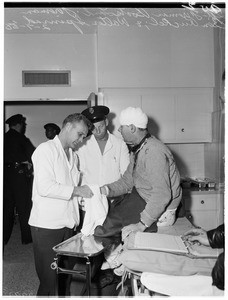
<point>156,178</point>
<point>54,179</point>
<point>98,168</point>
<point>17,147</point>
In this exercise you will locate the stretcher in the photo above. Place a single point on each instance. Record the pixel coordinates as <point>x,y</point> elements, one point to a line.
<point>138,262</point>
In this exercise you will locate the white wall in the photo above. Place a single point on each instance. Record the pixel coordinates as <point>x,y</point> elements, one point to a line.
<point>73,52</point>
<point>167,59</point>
<point>162,57</point>
<point>215,151</point>
<point>117,58</point>
<point>189,159</point>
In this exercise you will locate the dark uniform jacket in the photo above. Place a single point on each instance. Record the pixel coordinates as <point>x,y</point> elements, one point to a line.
<point>17,147</point>
<point>216,239</point>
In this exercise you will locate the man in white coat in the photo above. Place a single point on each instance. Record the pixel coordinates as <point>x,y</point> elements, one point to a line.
<point>55,212</point>
<point>103,157</point>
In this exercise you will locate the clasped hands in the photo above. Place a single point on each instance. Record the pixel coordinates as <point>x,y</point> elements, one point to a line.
<point>83,191</point>
<point>196,236</point>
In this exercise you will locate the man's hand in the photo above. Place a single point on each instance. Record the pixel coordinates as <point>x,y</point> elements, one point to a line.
<point>82,191</point>
<point>196,235</point>
<point>132,228</point>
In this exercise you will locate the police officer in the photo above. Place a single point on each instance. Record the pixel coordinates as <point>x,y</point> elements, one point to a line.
<point>51,130</point>
<point>17,178</point>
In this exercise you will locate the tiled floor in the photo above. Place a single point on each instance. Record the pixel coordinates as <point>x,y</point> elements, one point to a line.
<point>18,271</point>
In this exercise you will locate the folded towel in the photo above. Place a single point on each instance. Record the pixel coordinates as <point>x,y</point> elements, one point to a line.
<point>96,209</point>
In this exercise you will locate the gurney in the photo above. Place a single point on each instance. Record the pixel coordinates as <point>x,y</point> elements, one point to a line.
<point>141,266</point>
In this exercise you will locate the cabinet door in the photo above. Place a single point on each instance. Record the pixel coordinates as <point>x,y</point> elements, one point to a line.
<point>201,202</point>
<point>175,116</point>
<point>160,109</point>
<point>205,210</point>
<point>205,219</point>
<point>193,118</point>
<point>180,116</point>
<point>117,102</point>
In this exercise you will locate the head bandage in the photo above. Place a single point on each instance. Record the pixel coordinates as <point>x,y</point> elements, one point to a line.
<point>135,116</point>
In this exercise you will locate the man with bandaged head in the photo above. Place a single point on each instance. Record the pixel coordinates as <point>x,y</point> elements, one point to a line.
<point>151,180</point>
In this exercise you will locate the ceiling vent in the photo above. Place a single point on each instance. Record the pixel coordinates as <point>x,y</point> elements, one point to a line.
<point>45,78</point>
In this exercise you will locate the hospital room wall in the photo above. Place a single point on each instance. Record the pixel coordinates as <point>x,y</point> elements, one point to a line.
<point>80,54</point>
<point>73,52</point>
<point>48,52</point>
<point>156,62</point>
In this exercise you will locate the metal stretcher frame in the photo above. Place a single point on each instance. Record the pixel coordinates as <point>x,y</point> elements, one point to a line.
<point>81,247</point>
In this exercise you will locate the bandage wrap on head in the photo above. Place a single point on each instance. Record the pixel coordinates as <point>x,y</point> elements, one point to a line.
<point>135,116</point>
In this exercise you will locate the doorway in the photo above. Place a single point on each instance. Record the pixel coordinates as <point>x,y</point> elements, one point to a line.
<point>39,113</point>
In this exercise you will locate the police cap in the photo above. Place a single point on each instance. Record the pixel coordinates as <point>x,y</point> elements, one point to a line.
<point>96,113</point>
<point>52,125</point>
<point>16,119</point>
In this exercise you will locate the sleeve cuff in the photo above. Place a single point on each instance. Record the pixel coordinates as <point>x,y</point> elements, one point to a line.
<point>106,190</point>
<point>146,219</point>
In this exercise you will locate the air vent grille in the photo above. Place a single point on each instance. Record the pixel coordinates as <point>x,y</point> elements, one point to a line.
<point>45,78</point>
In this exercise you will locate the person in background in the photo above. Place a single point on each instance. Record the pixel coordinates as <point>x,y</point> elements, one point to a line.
<point>54,213</point>
<point>214,238</point>
<point>151,180</point>
<point>17,179</point>
<point>101,152</point>
<point>51,130</point>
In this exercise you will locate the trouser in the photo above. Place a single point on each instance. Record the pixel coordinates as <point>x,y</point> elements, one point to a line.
<point>43,242</point>
<point>122,212</point>
<point>17,191</point>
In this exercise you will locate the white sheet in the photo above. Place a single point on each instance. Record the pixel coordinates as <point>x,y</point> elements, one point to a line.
<point>194,285</point>
<point>96,209</point>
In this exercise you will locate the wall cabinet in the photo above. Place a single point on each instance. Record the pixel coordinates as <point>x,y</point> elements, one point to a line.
<point>181,116</point>
<point>117,101</point>
<point>204,208</point>
<point>175,115</point>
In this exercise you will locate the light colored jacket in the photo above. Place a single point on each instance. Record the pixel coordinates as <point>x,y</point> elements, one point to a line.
<point>98,168</point>
<point>155,177</point>
<point>54,181</point>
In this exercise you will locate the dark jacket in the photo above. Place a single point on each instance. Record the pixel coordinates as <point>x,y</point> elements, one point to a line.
<point>17,147</point>
<point>216,239</point>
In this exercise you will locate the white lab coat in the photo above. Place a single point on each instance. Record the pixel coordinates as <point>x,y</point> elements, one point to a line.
<point>96,209</point>
<point>98,168</point>
<point>54,181</point>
